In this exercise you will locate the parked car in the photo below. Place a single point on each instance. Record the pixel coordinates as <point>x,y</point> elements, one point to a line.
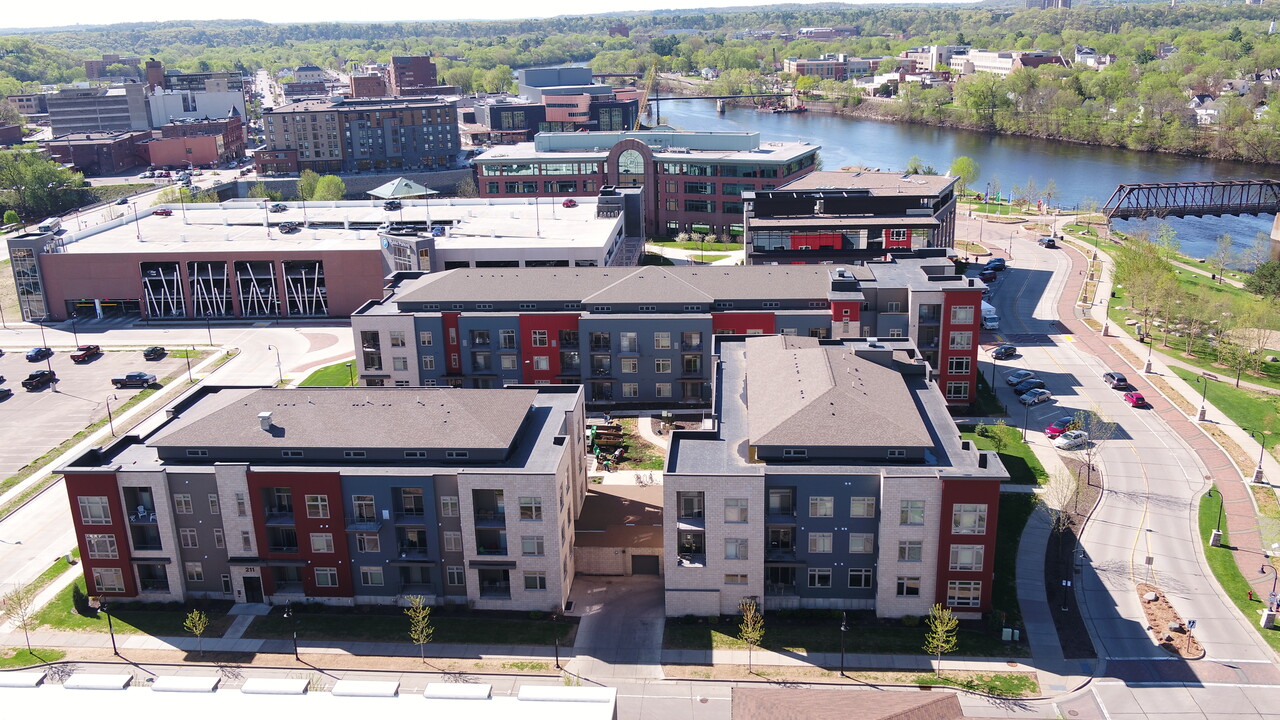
<point>39,379</point>
<point>1048,242</point>
<point>155,352</point>
<point>1115,380</point>
<point>1004,352</point>
<point>1035,397</point>
<point>1028,385</point>
<point>1061,425</point>
<point>163,212</point>
<point>39,353</point>
<point>123,201</point>
<point>1071,439</point>
<point>137,379</point>
<point>1019,376</point>
<point>391,205</point>
<point>278,207</point>
<point>5,393</point>
<point>987,276</point>
<point>998,264</point>
<point>1135,399</point>
<point>288,227</point>
<point>85,353</point>
<point>570,203</point>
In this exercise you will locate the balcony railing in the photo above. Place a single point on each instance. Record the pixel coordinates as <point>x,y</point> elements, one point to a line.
<point>780,554</point>
<point>414,552</point>
<point>143,516</point>
<point>490,518</point>
<point>692,560</point>
<point>155,585</point>
<point>690,347</point>
<point>283,548</point>
<point>288,587</point>
<point>411,517</point>
<point>495,590</point>
<point>279,516</point>
<point>153,545</point>
<point>777,589</point>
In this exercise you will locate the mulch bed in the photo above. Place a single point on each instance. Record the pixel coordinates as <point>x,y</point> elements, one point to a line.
<point>1060,564</point>
<point>1161,617</point>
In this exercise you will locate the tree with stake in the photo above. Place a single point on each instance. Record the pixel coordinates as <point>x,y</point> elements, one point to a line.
<point>196,623</point>
<point>751,631</point>
<point>942,637</point>
<point>20,606</point>
<point>1099,432</point>
<point>420,628</point>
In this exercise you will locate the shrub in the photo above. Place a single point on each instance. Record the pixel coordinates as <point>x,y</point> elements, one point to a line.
<point>910,621</point>
<point>535,614</point>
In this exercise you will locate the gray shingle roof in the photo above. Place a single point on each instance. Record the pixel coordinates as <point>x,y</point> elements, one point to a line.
<point>361,417</point>
<point>811,395</point>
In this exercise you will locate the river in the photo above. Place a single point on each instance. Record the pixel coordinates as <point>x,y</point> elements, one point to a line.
<point>1081,172</point>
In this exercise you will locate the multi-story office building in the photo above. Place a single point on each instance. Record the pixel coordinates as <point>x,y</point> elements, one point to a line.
<point>338,495</point>
<point>693,181</point>
<point>100,153</point>
<point>834,478</point>
<point>99,109</point>
<point>310,73</point>
<point>573,101</point>
<point>360,134</point>
<point>367,86</point>
<point>410,73</point>
<point>1001,62</point>
<point>641,337</point>
<point>849,216</point>
<point>31,105</point>
<point>95,69</point>
<point>833,66</point>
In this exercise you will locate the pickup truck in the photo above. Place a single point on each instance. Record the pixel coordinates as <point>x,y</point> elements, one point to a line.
<point>39,379</point>
<point>134,379</point>
<point>85,352</point>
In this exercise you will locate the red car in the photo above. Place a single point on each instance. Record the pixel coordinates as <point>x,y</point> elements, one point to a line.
<point>166,212</point>
<point>1135,399</point>
<point>570,203</point>
<point>1061,425</point>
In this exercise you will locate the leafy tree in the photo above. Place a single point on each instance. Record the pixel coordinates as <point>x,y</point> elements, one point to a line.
<point>420,627</point>
<point>329,187</point>
<point>35,186</point>
<point>307,180</point>
<point>196,623</point>
<point>19,605</point>
<point>1224,254</point>
<point>11,217</point>
<point>942,637</point>
<point>806,83</point>
<point>1265,280</point>
<point>261,191</point>
<point>751,630</point>
<point>965,169</point>
<point>9,114</point>
<point>916,166</point>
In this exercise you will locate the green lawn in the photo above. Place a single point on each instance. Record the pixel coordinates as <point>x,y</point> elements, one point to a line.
<point>335,375</point>
<point>1223,565</point>
<point>988,404</point>
<point>655,259</point>
<point>25,658</point>
<point>786,635</point>
<point>394,627</point>
<point>708,257</point>
<point>1252,410</point>
<point>128,618</point>
<point>1015,508</point>
<point>58,567</point>
<point>1023,466</point>
<point>708,246</point>
<point>999,684</point>
<point>101,193</point>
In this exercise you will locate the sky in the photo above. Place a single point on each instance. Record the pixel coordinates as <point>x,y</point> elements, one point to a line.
<point>92,12</point>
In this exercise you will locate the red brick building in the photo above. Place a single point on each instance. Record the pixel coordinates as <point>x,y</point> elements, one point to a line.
<point>100,153</point>
<point>411,71</point>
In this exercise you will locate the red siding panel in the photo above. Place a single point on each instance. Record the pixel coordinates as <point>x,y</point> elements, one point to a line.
<point>953,298</point>
<point>99,485</point>
<point>956,492</point>
<point>742,323</point>
<point>552,325</point>
<point>301,485</point>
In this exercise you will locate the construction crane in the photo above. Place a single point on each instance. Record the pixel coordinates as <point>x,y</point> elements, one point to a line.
<point>649,84</point>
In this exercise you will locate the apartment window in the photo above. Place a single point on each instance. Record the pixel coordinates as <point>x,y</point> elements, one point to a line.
<point>819,577</point>
<point>964,593</point>
<point>893,307</point>
<point>911,512</point>
<point>910,551</point>
<point>456,454</point>
<point>532,546</point>
<point>507,339</point>
<point>226,584</point>
<point>429,362</point>
<point>961,340</point>
<point>895,332</point>
<point>819,542</point>
<point>368,543</point>
<point>735,549</point>
<point>362,507</point>
<point>108,580</point>
<point>958,365</point>
<point>195,571</point>
<point>770,304</point>
<point>662,341</point>
<point>735,579</point>
<point>821,506</point>
<point>530,508</point>
<point>538,338</point>
<point>962,314</point>
<point>862,543</point>
<point>94,510</point>
<point>397,338</point>
<point>425,339</point>
<point>860,578</point>
<point>662,366</point>
<point>449,506</point>
<point>629,342</point>
<point>219,539</point>
<point>862,507</point>
<point>102,547</point>
<point>399,362</point>
<point>242,507</point>
<point>415,453</point>
<point>213,505</point>
<point>246,541</point>
<point>480,337</point>
<point>957,390</point>
<point>291,453</point>
<point>452,541</point>
<point>182,504</point>
<point>317,506</point>
<point>648,308</point>
<point>662,390</point>
<point>188,538</point>
<point>735,510</point>
<point>969,519</point>
<point>908,586</point>
<point>535,580</point>
<point>197,453</point>
<point>541,362</point>
<point>326,577</point>
<point>795,452</point>
<point>371,576</point>
<point>455,575</point>
<point>967,558</point>
<point>321,542</point>
<point>350,454</point>
<point>895,453</point>
<point>630,390</point>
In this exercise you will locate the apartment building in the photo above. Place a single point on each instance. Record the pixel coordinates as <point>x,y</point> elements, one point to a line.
<point>692,181</point>
<point>100,153</point>
<point>339,134</point>
<point>832,66</point>
<point>642,337</point>
<point>837,216</point>
<point>367,86</point>
<point>835,478</point>
<point>309,74</point>
<point>99,109</point>
<point>1001,62</point>
<point>410,73</point>
<point>339,495</point>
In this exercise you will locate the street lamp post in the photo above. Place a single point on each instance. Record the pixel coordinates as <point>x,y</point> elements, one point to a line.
<point>188,354</point>
<point>279,368</point>
<point>844,628</point>
<point>137,227</point>
<point>75,335</point>
<point>1204,393</point>
<point>1220,502</point>
<point>1262,451</point>
<point>48,360</point>
<point>351,376</point>
<point>1274,576</point>
<point>97,603</point>
<point>1026,420</point>
<point>208,327</point>
<point>111,422</point>
<point>288,613</point>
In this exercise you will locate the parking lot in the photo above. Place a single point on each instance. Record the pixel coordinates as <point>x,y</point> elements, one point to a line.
<point>33,422</point>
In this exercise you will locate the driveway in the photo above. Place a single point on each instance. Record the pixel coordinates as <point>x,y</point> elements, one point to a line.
<point>620,634</point>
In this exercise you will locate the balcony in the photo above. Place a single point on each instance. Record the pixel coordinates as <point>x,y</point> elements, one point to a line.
<point>288,587</point>
<point>930,317</point>
<point>690,346</point>
<point>156,586</point>
<point>363,523</point>
<point>143,516</point>
<point>780,517</point>
<point>414,552</point>
<point>691,560</point>
<point>282,548</point>
<point>411,517</point>
<point>278,516</point>
<point>779,590</point>
<point>781,553</point>
<point>490,517</point>
<point>498,590</point>
<point>491,549</point>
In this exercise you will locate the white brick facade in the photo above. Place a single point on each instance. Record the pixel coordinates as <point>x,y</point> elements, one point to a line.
<point>894,491</point>
<point>710,577</point>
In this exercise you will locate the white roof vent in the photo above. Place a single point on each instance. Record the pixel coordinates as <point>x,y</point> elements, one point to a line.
<point>264,420</point>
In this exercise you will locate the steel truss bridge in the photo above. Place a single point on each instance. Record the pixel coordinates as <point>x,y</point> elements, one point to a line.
<point>1184,199</point>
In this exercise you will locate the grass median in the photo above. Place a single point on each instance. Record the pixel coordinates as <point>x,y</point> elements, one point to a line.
<point>1254,411</point>
<point>1222,563</point>
<point>341,374</point>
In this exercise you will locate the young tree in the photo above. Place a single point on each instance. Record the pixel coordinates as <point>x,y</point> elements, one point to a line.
<point>1060,499</point>
<point>420,628</point>
<point>466,188</point>
<point>1100,431</point>
<point>196,623</point>
<point>261,191</point>
<point>19,605</point>
<point>1257,254</point>
<point>751,631</point>
<point>942,637</point>
<point>307,181</point>
<point>1049,193</point>
<point>329,187</point>
<point>965,169</point>
<point>1224,254</point>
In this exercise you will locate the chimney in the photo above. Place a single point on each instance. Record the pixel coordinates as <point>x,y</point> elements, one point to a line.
<point>264,419</point>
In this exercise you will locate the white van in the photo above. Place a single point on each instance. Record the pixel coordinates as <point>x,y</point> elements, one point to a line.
<point>52,225</point>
